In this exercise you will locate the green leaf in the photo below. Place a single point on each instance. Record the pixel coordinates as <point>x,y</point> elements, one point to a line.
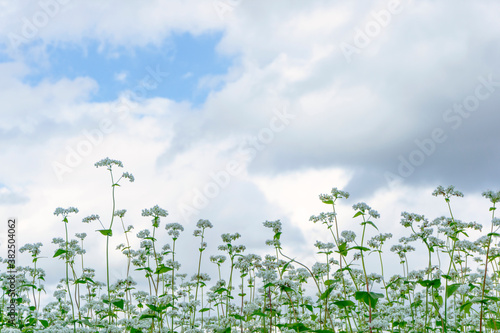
<point>259,313</point>
<point>330,282</point>
<point>369,298</point>
<point>343,249</point>
<point>326,293</point>
<point>466,307</point>
<point>28,285</point>
<point>430,283</point>
<point>267,285</point>
<point>361,248</point>
<point>309,307</point>
<point>59,252</point>
<point>493,298</point>
<point>149,316</point>
<point>153,307</point>
<point>237,316</point>
<point>163,269</point>
<point>451,289</point>
<point>493,324</point>
<point>205,310</point>
<point>358,213</point>
<point>343,304</point>
<point>44,323</point>
<point>287,289</point>
<point>106,232</point>
<point>297,327</point>
<point>328,202</point>
<point>370,223</point>
<point>119,303</point>
<point>493,234</point>
<point>144,269</point>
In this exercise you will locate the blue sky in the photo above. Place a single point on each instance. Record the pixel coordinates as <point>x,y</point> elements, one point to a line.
<point>181,60</point>
<point>262,108</point>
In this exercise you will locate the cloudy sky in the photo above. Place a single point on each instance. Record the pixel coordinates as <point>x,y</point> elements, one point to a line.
<point>242,111</point>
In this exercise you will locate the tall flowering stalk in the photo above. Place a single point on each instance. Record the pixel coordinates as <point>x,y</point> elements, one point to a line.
<point>174,230</point>
<point>200,232</point>
<point>109,163</point>
<point>494,198</point>
<point>447,193</point>
<point>369,298</point>
<point>65,213</point>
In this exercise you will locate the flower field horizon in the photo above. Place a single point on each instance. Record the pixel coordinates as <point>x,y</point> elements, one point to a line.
<point>455,290</point>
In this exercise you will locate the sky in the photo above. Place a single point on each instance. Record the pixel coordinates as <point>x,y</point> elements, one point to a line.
<point>243,111</point>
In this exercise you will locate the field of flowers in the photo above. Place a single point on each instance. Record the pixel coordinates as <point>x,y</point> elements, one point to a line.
<point>456,291</point>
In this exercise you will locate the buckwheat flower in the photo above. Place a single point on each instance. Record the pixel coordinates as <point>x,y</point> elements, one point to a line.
<point>224,247</point>
<point>435,242</point>
<point>201,277</point>
<point>228,238</point>
<point>60,294</point>
<point>447,192</point>
<point>327,218</point>
<point>303,274</point>
<point>275,225</point>
<point>81,235</point>
<point>362,207</point>
<point>120,213</point>
<point>174,229</point>
<point>348,235</point>
<point>172,264</point>
<point>143,233</point>
<point>273,242</point>
<point>155,212</point>
<point>57,240</point>
<point>90,218</point>
<point>379,240</point>
<point>333,261</point>
<point>267,275</point>
<point>319,269</point>
<point>65,212</point>
<point>203,224</point>
<point>373,213</point>
<point>107,162</point>
<point>239,248</point>
<point>494,197</point>
<point>243,264</point>
<point>324,246</point>
<point>34,249</point>
<point>408,219</point>
<point>128,176</point>
<point>326,198</point>
<point>197,233</point>
<point>218,259</point>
